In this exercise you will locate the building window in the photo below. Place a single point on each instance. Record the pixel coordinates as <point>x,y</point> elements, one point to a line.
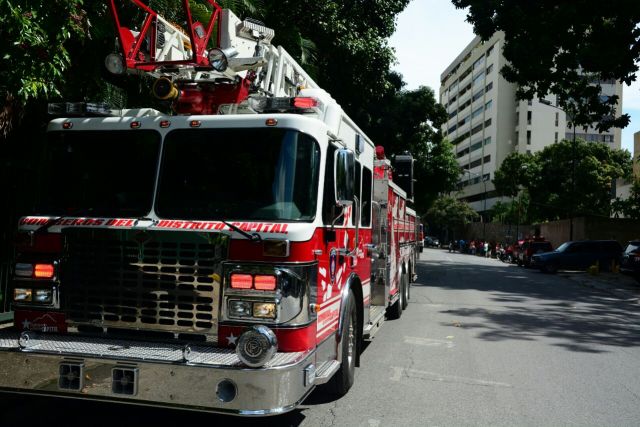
<point>486,159</point>
<point>557,119</point>
<point>487,123</point>
<point>489,68</point>
<point>476,129</point>
<point>475,146</point>
<point>465,74</point>
<point>490,50</point>
<point>517,137</point>
<point>475,163</point>
<point>462,153</point>
<point>528,137</point>
<point>529,113</point>
<point>528,151</point>
<point>476,112</point>
<point>487,106</point>
<point>452,128</point>
<point>479,62</point>
<point>478,79</point>
<point>555,138</point>
<point>477,95</point>
<point>529,102</point>
<point>488,87</point>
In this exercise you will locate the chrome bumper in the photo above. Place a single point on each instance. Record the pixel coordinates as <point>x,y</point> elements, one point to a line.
<point>165,375</point>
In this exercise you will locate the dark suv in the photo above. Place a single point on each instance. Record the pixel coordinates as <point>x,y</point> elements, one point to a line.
<point>630,262</point>
<point>579,255</point>
<point>531,247</point>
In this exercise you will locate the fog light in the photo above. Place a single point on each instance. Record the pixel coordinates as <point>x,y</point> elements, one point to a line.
<point>43,296</point>
<point>22,295</point>
<point>257,346</point>
<point>239,308</point>
<point>265,310</point>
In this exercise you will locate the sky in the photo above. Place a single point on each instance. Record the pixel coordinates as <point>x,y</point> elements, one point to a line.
<point>431,33</point>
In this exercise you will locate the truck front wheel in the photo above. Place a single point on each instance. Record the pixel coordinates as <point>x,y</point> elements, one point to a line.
<point>343,379</point>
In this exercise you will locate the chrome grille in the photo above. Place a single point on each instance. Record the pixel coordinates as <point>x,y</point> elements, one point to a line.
<point>153,280</point>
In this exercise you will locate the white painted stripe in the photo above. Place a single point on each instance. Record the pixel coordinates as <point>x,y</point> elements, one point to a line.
<point>428,342</point>
<point>325,329</point>
<point>404,373</point>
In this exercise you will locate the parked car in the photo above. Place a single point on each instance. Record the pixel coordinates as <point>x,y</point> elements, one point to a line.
<point>432,242</point>
<point>630,262</point>
<point>578,255</point>
<point>530,247</point>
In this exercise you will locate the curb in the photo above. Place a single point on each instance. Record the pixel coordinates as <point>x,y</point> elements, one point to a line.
<point>629,295</point>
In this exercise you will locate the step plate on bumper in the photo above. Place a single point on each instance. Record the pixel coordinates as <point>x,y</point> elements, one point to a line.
<point>164,377</point>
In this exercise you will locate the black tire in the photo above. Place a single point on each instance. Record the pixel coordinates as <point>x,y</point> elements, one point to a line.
<point>395,311</point>
<point>407,286</point>
<point>342,380</point>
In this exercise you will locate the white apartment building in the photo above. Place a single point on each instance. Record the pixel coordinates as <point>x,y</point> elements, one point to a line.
<point>486,122</point>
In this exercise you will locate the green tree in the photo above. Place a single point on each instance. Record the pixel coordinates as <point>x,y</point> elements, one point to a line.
<point>410,120</point>
<point>353,56</point>
<point>565,47</point>
<point>548,179</point>
<point>448,213</point>
<point>630,207</point>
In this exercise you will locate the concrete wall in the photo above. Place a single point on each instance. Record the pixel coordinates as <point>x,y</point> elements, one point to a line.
<point>591,228</point>
<point>497,232</point>
<point>557,232</point>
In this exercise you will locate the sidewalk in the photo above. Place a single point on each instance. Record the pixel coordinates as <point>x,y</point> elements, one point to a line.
<point>617,284</point>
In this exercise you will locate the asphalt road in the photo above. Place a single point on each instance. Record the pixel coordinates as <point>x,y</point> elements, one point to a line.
<point>482,343</point>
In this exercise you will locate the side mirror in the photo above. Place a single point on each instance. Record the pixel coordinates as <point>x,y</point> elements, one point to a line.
<point>344,177</point>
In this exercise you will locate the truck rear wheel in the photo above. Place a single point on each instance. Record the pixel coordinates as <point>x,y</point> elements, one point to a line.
<point>343,379</point>
<point>407,287</point>
<point>395,311</point>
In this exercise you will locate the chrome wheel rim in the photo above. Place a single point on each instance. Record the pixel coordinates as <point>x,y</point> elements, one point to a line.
<point>351,341</point>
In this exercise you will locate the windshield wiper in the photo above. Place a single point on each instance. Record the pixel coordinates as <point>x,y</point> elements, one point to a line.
<point>254,237</point>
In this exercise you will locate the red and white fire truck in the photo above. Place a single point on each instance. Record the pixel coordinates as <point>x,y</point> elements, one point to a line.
<point>228,257</point>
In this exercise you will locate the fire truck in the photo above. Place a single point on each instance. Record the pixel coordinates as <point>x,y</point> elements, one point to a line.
<point>227,257</point>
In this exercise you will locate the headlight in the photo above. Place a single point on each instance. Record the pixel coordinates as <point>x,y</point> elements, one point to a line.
<point>265,310</point>
<point>22,295</point>
<point>239,308</point>
<point>43,296</point>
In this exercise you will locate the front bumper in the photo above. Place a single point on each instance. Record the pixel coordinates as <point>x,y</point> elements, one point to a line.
<point>164,374</point>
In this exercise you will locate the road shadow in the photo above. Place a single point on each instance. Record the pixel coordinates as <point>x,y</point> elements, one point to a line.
<point>527,305</point>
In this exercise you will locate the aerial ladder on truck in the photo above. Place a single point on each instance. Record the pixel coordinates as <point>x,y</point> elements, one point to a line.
<point>244,72</point>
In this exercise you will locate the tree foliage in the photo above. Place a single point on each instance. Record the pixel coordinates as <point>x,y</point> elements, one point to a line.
<point>565,47</point>
<point>448,212</point>
<point>630,208</point>
<point>548,178</point>
<point>352,53</point>
<point>410,120</point>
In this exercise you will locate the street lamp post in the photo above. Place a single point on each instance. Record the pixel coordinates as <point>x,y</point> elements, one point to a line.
<point>573,163</point>
<point>484,204</point>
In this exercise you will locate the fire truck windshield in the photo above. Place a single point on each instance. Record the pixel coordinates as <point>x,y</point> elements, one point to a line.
<point>251,174</point>
<point>98,173</point>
